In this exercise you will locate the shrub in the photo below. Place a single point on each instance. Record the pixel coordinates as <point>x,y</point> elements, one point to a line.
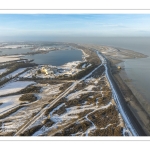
<point>39,71</point>
<point>30,89</point>
<point>28,97</point>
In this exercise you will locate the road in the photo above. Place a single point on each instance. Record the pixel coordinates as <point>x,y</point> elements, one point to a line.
<point>131,122</point>
<point>41,113</point>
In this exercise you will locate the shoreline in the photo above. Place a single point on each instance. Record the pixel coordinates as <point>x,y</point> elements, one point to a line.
<point>130,95</point>
<point>135,111</point>
<point>140,97</point>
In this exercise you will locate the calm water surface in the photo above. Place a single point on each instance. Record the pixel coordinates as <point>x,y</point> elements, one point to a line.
<point>56,58</point>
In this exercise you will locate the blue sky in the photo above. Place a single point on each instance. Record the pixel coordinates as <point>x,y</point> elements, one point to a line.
<point>42,25</point>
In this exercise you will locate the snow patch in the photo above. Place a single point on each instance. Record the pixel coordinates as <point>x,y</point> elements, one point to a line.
<point>14,87</point>
<point>9,102</point>
<point>3,70</point>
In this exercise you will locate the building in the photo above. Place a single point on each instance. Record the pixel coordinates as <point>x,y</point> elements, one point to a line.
<point>119,67</point>
<point>44,71</point>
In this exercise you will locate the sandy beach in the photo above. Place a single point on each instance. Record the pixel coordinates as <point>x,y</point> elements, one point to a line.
<point>133,97</point>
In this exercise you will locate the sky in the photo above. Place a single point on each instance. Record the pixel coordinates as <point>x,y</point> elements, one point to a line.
<point>45,26</point>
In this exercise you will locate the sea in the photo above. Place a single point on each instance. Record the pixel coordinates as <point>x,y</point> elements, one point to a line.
<point>137,70</point>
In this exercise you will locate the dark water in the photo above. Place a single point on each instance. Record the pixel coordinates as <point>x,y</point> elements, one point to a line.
<point>14,51</point>
<point>56,58</point>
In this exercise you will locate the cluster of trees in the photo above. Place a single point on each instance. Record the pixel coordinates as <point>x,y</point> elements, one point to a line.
<point>28,97</point>
<point>60,111</point>
<point>74,128</point>
<point>11,68</point>
<point>15,66</point>
<point>83,72</point>
<point>62,100</point>
<point>80,86</point>
<point>79,66</point>
<point>30,89</point>
<point>93,58</point>
<point>112,130</point>
<point>102,118</point>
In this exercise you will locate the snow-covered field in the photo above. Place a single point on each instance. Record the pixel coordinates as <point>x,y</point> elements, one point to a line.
<point>27,74</point>
<point>13,46</point>
<point>13,74</point>
<point>112,52</point>
<point>9,102</point>
<point>3,70</point>
<point>51,89</point>
<point>76,94</point>
<point>71,65</point>
<point>109,50</point>
<point>14,87</point>
<point>67,69</point>
<point>9,58</point>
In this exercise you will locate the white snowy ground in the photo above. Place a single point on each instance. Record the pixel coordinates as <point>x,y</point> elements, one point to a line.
<point>109,50</point>
<point>14,87</point>
<point>12,46</point>
<point>31,72</point>
<point>112,52</point>
<point>3,70</point>
<point>85,55</point>
<point>13,74</point>
<point>50,89</point>
<point>71,113</point>
<point>130,129</point>
<point>9,58</point>
<point>68,68</point>
<point>27,74</point>
<point>71,65</point>
<point>91,79</point>
<point>77,94</point>
<point>83,66</point>
<point>9,102</point>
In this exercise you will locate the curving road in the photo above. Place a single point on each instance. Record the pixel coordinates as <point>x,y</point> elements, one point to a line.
<point>41,113</point>
<point>130,121</point>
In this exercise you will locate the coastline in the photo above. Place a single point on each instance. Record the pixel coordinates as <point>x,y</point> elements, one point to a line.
<point>130,101</point>
<point>130,95</point>
<point>138,94</point>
